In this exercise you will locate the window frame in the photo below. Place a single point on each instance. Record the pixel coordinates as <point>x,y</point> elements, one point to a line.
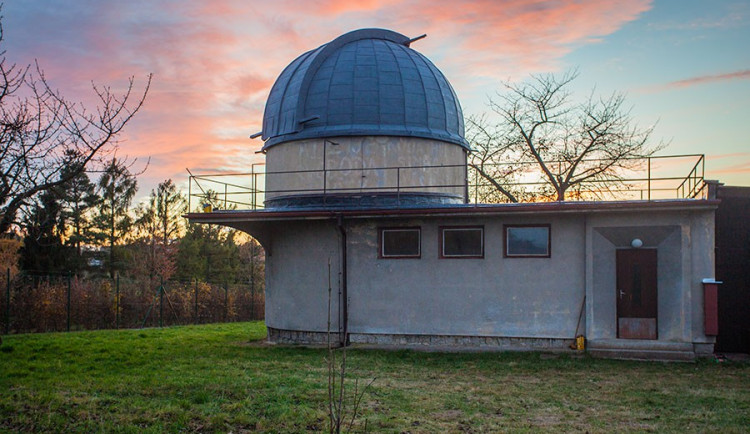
<point>381,244</point>
<point>506,254</point>
<point>441,241</point>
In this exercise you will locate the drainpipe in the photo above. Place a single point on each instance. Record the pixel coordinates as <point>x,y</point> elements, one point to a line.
<point>344,337</point>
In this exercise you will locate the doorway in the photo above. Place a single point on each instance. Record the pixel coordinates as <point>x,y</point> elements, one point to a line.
<point>636,294</point>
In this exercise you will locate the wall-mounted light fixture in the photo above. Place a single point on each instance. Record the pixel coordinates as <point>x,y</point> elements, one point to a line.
<point>636,243</point>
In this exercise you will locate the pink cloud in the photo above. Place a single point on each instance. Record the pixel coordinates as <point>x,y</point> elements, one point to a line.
<point>214,62</point>
<point>694,81</point>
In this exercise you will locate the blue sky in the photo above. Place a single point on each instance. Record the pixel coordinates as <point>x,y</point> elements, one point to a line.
<point>684,65</point>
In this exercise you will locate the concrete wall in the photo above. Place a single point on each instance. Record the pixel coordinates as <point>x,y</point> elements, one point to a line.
<point>297,276</point>
<point>351,166</point>
<point>493,296</point>
<point>536,298</point>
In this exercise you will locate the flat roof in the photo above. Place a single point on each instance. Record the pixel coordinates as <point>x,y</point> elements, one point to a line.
<point>262,215</point>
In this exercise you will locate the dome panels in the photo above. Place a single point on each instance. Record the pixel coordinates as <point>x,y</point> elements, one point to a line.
<point>364,83</point>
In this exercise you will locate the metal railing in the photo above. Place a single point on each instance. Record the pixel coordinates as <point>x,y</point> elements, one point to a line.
<point>648,178</point>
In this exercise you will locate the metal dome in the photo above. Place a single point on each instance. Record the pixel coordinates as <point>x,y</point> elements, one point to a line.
<point>363,83</point>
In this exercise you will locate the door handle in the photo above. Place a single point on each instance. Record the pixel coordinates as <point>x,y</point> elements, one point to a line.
<point>621,294</point>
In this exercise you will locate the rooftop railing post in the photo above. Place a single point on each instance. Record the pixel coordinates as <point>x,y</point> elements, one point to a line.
<point>254,186</point>
<point>476,186</point>
<point>398,186</point>
<point>325,173</point>
<point>466,179</point>
<point>649,178</point>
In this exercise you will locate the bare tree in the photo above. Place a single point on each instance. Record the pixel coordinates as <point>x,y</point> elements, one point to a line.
<point>578,149</point>
<point>40,130</point>
<point>490,146</point>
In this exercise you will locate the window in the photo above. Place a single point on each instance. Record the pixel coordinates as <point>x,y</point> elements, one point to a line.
<point>462,242</point>
<point>400,243</point>
<point>527,241</point>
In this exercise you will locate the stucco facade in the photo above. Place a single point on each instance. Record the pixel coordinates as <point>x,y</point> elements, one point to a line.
<point>493,302</point>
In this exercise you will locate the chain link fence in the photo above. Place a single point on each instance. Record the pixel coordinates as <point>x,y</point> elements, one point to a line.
<point>65,302</point>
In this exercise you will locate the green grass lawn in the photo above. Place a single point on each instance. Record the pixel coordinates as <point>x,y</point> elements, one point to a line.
<point>223,378</point>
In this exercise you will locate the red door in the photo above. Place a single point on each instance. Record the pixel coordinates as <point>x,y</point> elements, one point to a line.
<point>636,294</point>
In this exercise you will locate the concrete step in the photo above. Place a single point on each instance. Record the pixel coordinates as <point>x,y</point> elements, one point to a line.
<point>637,349</point>
<point>652,355</point>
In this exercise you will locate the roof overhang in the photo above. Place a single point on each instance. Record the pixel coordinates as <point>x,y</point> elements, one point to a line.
<point>232,218</point>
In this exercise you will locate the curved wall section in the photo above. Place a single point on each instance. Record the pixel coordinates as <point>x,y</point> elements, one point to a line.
<point>297,277</point>
<point>419,171</point>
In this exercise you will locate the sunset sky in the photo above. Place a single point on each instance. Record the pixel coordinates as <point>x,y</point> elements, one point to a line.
<point>684,65</point>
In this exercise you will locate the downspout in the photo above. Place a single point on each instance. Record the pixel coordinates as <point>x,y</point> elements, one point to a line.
<point>586,249</point>
<point>344,336</point>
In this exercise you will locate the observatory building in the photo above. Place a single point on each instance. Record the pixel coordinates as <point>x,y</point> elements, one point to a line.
<point>366,207</point>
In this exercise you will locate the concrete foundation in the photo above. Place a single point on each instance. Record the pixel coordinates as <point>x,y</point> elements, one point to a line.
<point>425,341</point>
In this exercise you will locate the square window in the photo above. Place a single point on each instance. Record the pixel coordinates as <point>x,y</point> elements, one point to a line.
<point>462,242</point>
<point>530,241</point>
<point>400,243</point>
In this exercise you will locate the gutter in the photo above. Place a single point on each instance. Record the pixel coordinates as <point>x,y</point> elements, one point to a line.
<point>344,326</point>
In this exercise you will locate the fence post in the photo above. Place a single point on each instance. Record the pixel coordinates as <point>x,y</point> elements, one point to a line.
<point>7,304</point>
<point>161,302</point>
<point>69,286</point>
<point>196,301</point>
<point>226,300</point>
<point>252,279</point>
<point>117,301</point>
<point>252,300</point>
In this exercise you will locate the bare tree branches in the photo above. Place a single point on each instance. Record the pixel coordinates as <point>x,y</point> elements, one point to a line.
<point>578,148</point>
<point>40,131</point>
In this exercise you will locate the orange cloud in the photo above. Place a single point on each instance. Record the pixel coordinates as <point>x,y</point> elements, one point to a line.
<point>214,62</point>
<point>516,37</point>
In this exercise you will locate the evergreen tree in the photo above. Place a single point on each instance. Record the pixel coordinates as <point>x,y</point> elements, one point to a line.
<point>209,253</point>
<point>78,197</point>
<point>43,249</point>
<point>169,205</point>
<point>116,187</point>
<point>159,223</point>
